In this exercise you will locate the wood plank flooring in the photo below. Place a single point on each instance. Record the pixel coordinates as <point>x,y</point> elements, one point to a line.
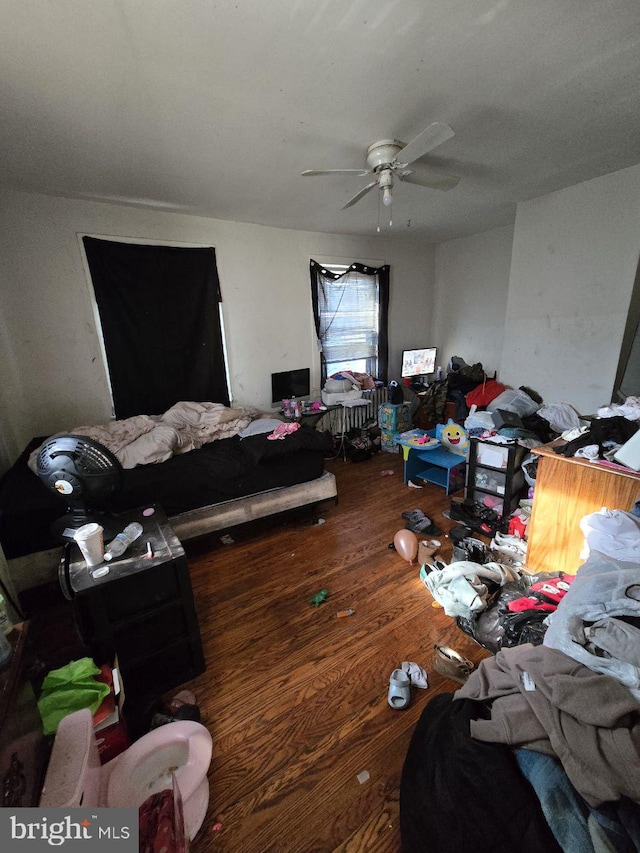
<point>296,698</point>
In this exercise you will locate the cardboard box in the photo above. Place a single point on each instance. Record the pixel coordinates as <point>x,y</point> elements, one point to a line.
<point>387,443</point>
<point>108,723</point>
<point>394,417</point>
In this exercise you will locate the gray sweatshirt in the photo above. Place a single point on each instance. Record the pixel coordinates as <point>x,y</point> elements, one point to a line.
<point>541,699</point>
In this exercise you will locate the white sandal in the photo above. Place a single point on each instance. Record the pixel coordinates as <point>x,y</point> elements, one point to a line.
<point>399,692</point>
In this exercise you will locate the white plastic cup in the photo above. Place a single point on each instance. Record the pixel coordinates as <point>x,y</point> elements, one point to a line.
<point>90,539</point>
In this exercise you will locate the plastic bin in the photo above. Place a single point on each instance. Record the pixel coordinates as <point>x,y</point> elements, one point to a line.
<point>514,400</point>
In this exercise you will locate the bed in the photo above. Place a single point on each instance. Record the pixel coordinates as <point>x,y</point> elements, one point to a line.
<point>218,485</point>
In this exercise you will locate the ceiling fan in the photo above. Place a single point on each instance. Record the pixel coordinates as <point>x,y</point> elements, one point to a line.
<point>390,158</point>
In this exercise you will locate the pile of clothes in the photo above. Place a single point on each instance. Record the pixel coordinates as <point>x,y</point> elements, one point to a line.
<point>540,748</point>
<point>492,600</point>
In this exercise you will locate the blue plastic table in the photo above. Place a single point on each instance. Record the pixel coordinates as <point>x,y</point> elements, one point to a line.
<point>435,464</point>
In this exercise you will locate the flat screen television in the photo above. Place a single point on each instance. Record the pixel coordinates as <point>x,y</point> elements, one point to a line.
<point>290,383</point>
<point>418,362</point>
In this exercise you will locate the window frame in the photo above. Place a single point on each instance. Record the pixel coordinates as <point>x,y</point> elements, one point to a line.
<point>333,270</point>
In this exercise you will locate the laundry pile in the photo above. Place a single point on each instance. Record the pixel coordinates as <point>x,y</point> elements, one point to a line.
<point>489,596</point>
<point>556,725</point>
<point>576,736</point>
<point>481,401</point>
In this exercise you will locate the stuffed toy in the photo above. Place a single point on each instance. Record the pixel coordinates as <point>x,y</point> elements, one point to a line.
<point>452,436</point>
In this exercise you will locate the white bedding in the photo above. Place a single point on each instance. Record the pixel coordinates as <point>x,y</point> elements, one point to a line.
<point>146,439</point>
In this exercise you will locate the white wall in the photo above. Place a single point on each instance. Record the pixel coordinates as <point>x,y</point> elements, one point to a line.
<point>575,255</point>
<point>546,302</point>
<point>471,287</point>
<point>53,377</point>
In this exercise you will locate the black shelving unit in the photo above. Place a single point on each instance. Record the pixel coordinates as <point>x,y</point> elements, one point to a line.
<point>142,611</point>
<point>494,469</point>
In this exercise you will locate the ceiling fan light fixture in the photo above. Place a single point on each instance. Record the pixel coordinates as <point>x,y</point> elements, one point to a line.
<point>389,157</point>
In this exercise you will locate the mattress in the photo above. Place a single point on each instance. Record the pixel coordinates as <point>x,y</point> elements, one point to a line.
<point>218,472</point>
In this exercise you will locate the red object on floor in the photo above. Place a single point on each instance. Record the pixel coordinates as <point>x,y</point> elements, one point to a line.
<point>517,527</point>
<point>519,605</point>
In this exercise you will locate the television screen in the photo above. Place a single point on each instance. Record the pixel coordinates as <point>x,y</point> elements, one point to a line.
<point>418,362</point>
<point>290,383</point>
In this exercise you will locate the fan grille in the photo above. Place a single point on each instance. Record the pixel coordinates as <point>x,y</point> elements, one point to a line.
<point>94,469</point>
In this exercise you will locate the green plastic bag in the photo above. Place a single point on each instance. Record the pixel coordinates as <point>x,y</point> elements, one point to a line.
<point>69,689</point>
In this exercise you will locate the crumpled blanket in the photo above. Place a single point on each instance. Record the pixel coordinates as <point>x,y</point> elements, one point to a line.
<point>148,439</point>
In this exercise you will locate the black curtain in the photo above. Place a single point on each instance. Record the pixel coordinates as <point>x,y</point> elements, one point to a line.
<point>318,272</point>
<point>159,310</point>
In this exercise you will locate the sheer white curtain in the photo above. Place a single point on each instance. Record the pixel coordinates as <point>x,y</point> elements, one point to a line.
<point>350,309</point>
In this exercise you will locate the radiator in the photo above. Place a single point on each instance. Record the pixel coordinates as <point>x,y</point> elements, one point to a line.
<point>350,417</point>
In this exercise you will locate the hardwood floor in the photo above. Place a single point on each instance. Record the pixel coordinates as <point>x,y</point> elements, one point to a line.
<point>296,698</point>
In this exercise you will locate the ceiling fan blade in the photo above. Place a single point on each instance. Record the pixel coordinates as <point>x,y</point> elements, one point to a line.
<point>361,172</point>
<point>359,195</point>
<point>430,138</point>
<point>429,178</point>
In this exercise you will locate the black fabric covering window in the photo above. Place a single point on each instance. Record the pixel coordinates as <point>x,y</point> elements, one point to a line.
<point>159,310</point>
<point>318,274</point>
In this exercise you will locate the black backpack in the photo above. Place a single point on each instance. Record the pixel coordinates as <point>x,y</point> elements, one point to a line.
<point>395,394</point>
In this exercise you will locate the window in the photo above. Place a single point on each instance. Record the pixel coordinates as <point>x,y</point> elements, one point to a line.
<point>350,306</point>
<point>159,310</point>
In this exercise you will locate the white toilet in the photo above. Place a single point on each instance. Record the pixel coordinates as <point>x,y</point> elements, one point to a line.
<point>75,776</point>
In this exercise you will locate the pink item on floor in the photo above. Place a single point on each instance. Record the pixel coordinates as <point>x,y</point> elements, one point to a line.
<point>179,750</point>
<point>282,430</point>
<point>492,502</point>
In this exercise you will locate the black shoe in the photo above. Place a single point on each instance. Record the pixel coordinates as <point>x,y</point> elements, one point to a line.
<point>472,550</point>
<point>457,534</point>
<point>426,527</point>
<point>459,513</point>
<point>479,510</point>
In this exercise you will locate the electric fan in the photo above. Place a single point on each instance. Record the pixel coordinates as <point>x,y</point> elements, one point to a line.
<point>388,159</point>
<point>84,473</point>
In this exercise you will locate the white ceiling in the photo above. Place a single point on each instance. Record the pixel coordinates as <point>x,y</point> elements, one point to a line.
<point>214,108</point>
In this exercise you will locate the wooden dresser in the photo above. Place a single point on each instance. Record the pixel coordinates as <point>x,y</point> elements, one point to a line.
<point>568,488</point>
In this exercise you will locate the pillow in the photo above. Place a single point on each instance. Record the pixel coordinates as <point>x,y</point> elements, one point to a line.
<point>259,426</point>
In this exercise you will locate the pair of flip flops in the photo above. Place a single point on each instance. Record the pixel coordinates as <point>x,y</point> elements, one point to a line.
<point>418,522</point>
<point>400,683</point>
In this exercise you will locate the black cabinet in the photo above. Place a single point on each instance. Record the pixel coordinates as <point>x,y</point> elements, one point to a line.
<point>494,469</point>
<point>142,610</point>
